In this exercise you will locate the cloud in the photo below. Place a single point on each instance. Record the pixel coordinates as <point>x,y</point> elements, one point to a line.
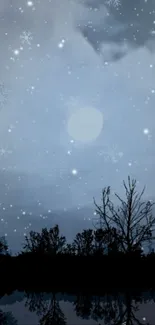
<point>132,24</point>
<point>124,28</point>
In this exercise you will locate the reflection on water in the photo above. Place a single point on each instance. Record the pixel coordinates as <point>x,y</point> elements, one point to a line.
<point>30,308</point>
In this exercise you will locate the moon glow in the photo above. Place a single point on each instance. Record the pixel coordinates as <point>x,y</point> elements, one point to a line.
<point>85,125</point>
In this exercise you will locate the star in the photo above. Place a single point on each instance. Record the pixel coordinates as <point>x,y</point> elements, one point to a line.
<point>74,171</point>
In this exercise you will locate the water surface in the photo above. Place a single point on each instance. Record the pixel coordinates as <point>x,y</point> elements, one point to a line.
<point>30,308</point>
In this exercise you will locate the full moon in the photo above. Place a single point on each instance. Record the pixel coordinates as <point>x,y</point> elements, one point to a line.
<point>85,125</point>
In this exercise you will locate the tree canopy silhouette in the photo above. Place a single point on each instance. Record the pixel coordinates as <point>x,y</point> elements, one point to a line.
<point>48,241</point>
<point>83,243</point>
<point>3,246</point>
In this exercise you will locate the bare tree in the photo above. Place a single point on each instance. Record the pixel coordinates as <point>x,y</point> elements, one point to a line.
<point>133,220</point>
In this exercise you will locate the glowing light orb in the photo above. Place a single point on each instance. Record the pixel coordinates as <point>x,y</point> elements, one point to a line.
<point>85,124</point>
<point>30,3</point>
<point>74,172</point>
<point>146,131</point>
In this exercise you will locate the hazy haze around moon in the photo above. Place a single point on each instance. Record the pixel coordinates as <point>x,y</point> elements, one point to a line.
<point>85,125</point>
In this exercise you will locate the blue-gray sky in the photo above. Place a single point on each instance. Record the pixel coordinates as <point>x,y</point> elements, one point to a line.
<point>78,55</point>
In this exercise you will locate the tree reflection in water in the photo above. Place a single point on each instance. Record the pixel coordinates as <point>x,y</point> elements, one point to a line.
<point>50,311</point>
<point>7,318</point>
<point>115,309</point>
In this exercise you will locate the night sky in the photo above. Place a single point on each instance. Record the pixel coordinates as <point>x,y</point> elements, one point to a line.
<point>77,105</point>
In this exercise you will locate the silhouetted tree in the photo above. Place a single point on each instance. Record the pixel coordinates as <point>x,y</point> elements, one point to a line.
<point>112,240</point>
<point>133,220</point>
<point>48,241</point>
<point>83,243</point>
<point>69,249</point>
<point>3,246</point>
<point>105,241</point>
<point>99,241</point>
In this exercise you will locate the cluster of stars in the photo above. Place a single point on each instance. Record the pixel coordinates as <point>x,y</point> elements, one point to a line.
<point>26,37</point>
<point>61,44</point>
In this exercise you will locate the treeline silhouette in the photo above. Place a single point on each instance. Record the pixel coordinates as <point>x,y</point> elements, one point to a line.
<point>109,254</point>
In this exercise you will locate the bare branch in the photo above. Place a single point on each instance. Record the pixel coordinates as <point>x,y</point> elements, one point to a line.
<point>133,219</point>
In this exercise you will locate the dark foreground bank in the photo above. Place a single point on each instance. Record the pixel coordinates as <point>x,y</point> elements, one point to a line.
<point>77,273</point>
